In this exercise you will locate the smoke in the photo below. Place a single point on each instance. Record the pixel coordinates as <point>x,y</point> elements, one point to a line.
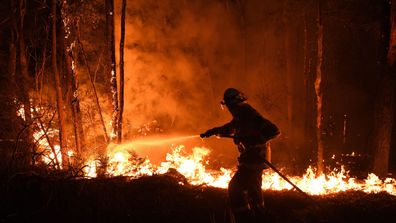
<point>180,56</point>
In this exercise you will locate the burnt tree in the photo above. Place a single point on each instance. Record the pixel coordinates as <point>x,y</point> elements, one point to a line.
<point>111,68</point>
<point>318,88</point>
<point>384,107</point>
<point>23,79</point>
<point>287,63</point>
<point>68,31</point>
<point>121,107</point>
<point>58,88</point>
<point>7,91</point>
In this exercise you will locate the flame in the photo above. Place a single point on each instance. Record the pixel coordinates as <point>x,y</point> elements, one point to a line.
<point>194,167</point>
<point>70,153</point>
<point>123,161</point>
<point>90,169</point>
<point>44,148</point>
<point>21,113</point>
<point>51,156</point>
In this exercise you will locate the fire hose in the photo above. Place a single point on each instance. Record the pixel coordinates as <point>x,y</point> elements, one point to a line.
<point>284,177</point>
<point>269,164</point>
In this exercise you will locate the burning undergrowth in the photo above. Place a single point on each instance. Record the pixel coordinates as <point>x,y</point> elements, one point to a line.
<point>161,198</point>
<point>195,167</point>
<point>125,186</point>
<point>193,163</point>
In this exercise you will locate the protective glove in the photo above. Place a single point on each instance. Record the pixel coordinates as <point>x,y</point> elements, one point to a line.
<point>236,140</point>
<point>207,134</point>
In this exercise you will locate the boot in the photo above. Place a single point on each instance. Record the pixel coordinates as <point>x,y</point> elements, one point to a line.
<point>261,215</point>
<point>246,216</point>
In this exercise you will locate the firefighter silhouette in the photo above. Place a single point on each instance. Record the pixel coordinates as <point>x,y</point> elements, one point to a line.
<point>251,133</point>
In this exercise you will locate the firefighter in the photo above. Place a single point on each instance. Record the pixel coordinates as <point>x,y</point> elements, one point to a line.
<point>251,133</point>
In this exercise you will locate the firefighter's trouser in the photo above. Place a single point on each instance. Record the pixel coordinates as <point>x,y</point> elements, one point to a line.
<point>245,194</point>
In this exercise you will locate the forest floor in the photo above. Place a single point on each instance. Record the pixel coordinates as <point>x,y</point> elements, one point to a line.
<point>162,198</point>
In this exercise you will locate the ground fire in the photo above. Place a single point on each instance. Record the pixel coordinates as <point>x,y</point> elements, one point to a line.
<point>197,111</point>
<point>123,161</point>
<point>196,169</point>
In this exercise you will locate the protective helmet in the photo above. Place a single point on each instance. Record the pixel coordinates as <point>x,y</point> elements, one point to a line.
<point>233,96</point>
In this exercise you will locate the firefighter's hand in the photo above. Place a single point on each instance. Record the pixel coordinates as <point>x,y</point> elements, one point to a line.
<point>237,140</point>
<point>207,134</point>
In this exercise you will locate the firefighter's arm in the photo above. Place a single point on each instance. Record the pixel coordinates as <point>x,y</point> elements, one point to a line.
<point>226,129</point>
<point>268,130</point>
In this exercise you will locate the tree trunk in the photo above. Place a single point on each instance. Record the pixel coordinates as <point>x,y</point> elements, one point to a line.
<point>75,105</point>
<point>310,56</point>
<point>71,69</point>
<point>287,53</point>
<point>13,45</point>
<point>307,86</point>
<point>384,110</point>
<point>119,131</point>
<point>24,80</point>
<point>391,56</point>
<point>318,89</point>
<point>7,122</point>
<point>58,89</point>
<point>112,67</point>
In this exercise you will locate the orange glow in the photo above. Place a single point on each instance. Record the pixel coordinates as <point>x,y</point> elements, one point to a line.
<point>43,147</point>
<point>194,167</point>
<point>123,161</point>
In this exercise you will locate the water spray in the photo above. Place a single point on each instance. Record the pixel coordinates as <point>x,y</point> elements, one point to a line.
<point>153,141</point>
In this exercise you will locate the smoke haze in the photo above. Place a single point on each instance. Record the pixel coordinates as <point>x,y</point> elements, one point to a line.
<point>179,58</point>
<point>181,55</point>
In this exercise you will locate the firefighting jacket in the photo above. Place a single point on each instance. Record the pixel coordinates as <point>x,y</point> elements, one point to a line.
<point>251,132</point>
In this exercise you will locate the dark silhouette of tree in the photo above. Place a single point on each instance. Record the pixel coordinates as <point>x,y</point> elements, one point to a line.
<point>58,88</point>
<point>384,107</point>
<point>69,30</point>
<point>119,131</point>
<point>318,89</point>
<point>111,69</point>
